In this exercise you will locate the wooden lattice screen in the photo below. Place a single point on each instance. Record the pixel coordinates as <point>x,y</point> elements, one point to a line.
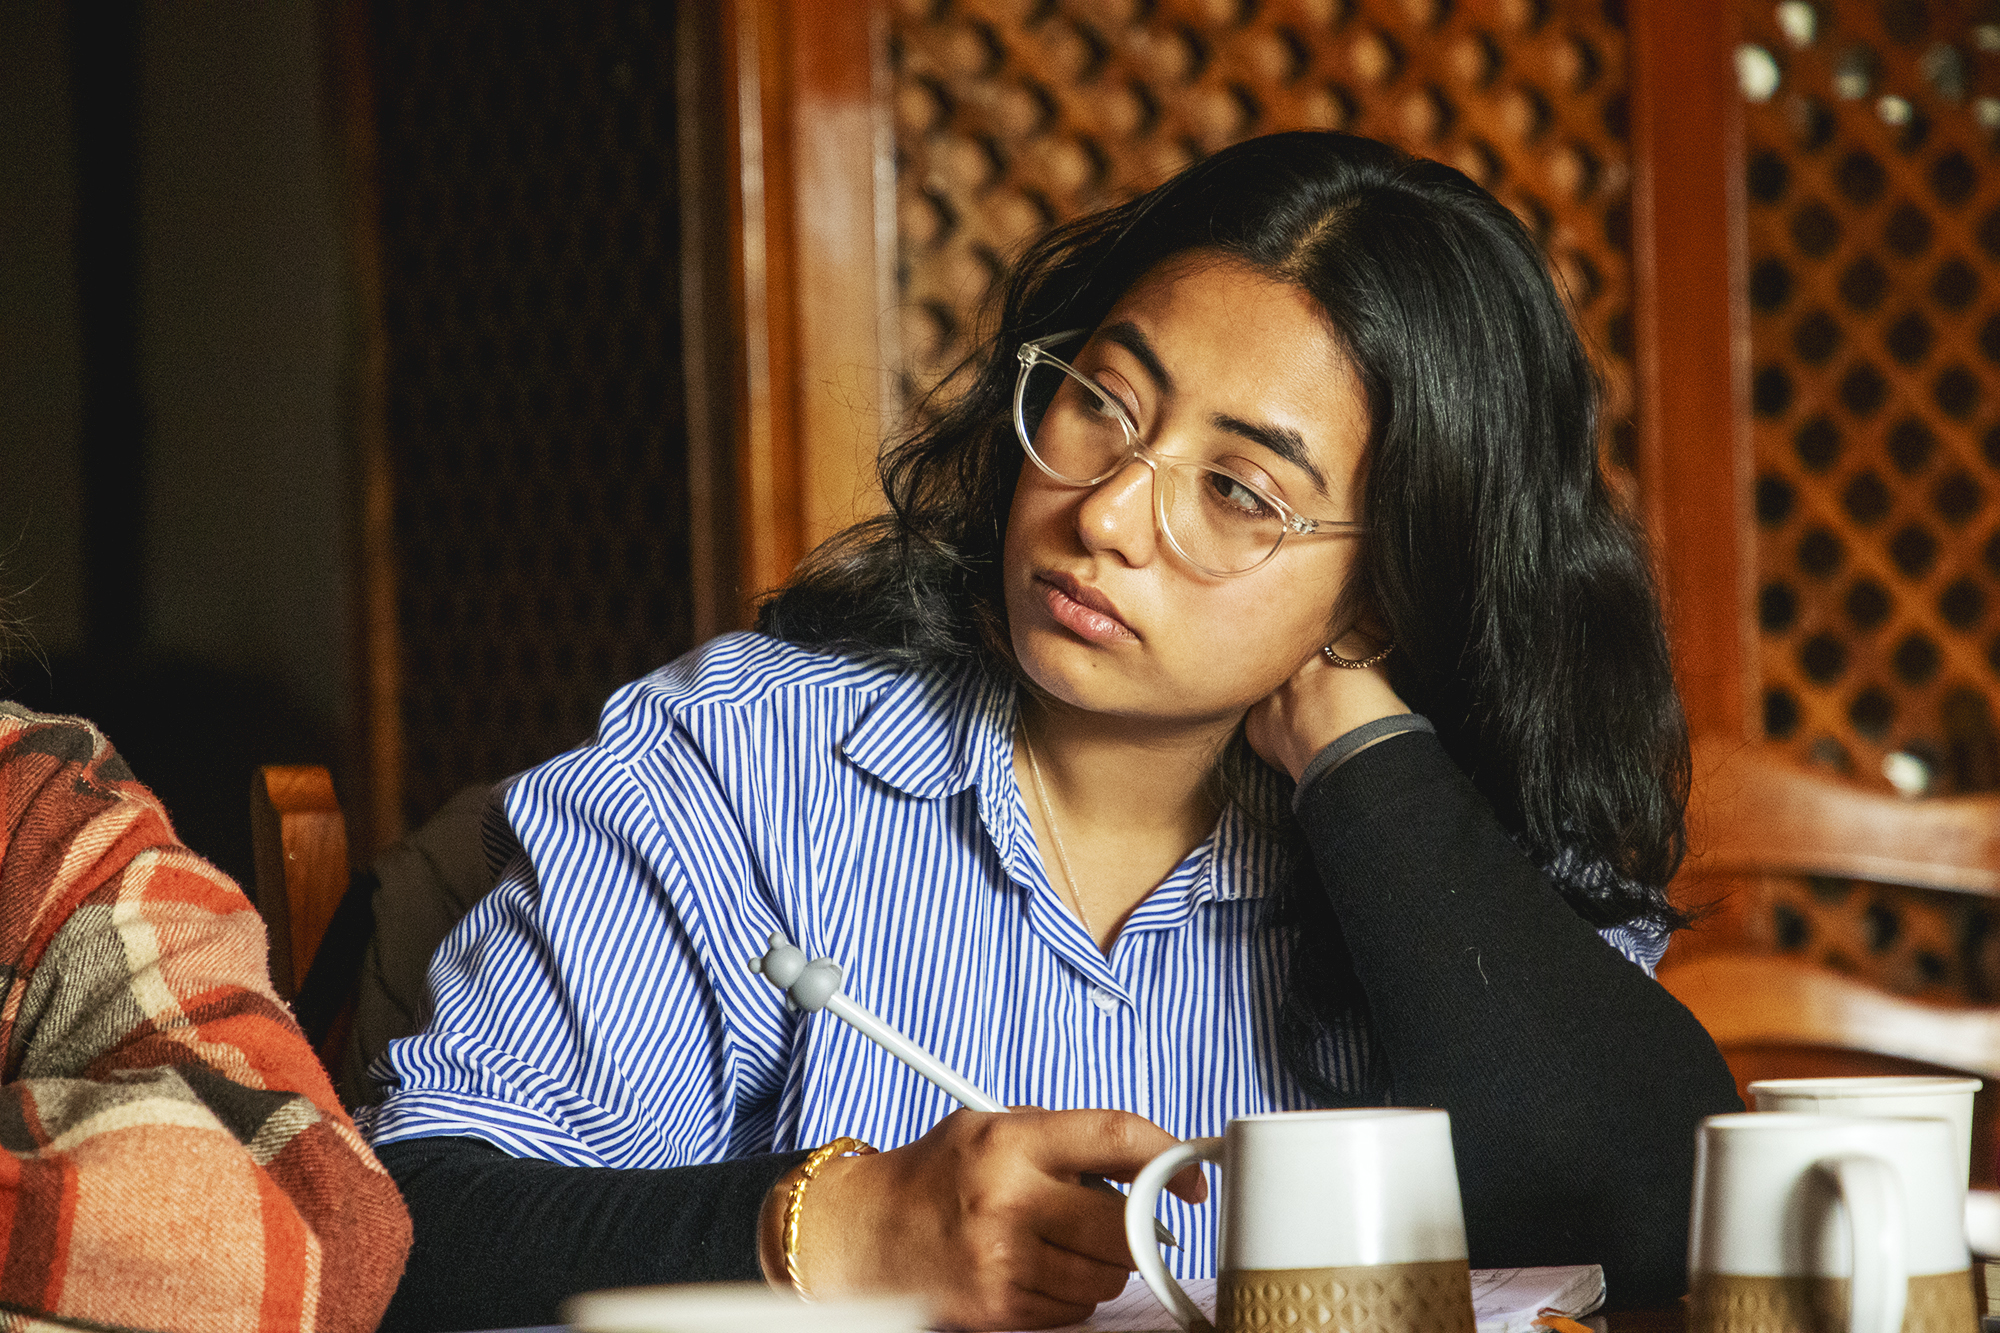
<point>1012,114</point>
<point>1874,217</point>
<point>1873,206</point>
<point>531,269</point>
<point>1874,232</point>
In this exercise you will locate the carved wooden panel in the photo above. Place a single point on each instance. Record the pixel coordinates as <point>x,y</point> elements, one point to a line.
<point>531,272</point>
<point>1874,286</point>
<point>1012,114</point>
<point>1873,192</point>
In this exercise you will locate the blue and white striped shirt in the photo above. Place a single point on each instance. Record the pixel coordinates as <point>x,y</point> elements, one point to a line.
<point>596,1009</point>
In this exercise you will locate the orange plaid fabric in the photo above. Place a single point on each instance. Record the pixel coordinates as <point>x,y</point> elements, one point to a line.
<point>172,1156</point>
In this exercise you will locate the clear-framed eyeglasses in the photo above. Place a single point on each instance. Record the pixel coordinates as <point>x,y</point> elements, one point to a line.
<point>1078,434</point>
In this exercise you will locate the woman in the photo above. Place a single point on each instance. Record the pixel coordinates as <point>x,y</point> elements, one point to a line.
<point>1253,700</point>
<point>174,1156</point>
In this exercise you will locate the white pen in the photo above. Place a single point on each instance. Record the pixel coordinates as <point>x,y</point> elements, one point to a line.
<point>815,985</point>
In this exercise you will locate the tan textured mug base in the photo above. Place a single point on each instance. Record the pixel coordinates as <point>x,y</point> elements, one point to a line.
<point>1372,1298</point>
<point>1725,1303</point>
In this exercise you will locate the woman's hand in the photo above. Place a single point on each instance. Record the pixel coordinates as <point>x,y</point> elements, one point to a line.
<point>1318,705</point>
<point>984,1216</point>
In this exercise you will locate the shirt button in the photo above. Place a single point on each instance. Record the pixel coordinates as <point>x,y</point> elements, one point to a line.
<point>1105,1001</point>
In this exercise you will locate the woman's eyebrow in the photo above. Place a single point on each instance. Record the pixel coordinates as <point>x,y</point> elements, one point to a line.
<point>1283,441</point>
<point>1133,339</point>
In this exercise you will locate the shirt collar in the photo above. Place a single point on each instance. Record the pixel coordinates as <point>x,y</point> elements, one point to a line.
<point>1249,853</point>
<point>934,734</point>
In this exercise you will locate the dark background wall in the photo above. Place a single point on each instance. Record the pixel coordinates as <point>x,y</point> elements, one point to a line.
<point>40,362</point>
<point>184,250</point>
<point>173,466</point>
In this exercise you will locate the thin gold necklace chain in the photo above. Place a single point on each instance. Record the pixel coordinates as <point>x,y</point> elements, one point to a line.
<point>1048,813</point>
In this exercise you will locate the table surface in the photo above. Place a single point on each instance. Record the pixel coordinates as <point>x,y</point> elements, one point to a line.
<point>1670,1319</point>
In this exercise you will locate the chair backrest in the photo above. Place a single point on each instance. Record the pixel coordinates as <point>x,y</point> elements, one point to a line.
<point>356,982</point>
<point>1756,813</point>
<point>300,840</point>
<point>1762,1002</point>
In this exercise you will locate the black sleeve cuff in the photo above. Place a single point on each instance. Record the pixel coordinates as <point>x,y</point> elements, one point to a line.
<point>502,1241</point>
<point>1339,751</point>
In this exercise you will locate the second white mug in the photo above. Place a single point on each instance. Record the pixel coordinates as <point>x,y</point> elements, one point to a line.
<point>1944,1097</point>
<point>1799,1218</point>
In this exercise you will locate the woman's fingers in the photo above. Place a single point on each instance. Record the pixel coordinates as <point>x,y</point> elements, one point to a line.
<point>1190,1184</point>
<point>1028,1310</point>
<point>1062,1275</point>
<point>1319,704</point>
<point>1085,1222</point>
<point>1113,1144</point>
<point>1030,1283</point>
<point>986,1216</point>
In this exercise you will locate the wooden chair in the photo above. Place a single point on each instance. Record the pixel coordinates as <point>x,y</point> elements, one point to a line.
<point>1757,813</point>
<point>316,910</point>
<point>356,981</point>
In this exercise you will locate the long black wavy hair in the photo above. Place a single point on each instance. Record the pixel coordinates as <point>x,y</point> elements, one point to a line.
<point>1515,588</point>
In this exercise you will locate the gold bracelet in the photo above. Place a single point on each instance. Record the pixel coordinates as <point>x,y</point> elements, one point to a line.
<point>795,1201</point>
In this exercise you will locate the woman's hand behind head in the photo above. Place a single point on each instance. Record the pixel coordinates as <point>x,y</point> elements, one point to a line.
<point>1318,705</point>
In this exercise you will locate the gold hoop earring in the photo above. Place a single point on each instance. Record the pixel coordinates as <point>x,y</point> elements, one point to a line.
<point>1361,665</point>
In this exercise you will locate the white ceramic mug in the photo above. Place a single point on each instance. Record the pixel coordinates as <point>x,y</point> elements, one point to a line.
<point>1330,1219</point>
<point>1805,1223</point>
<point>1947,1098</point>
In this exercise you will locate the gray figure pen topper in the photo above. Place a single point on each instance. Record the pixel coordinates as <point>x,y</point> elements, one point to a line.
<point>815,985</point>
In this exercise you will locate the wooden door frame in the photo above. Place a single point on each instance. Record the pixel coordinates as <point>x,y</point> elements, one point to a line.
<point>1691,342</point>
<point>374,750</point>
<point>810,265</point>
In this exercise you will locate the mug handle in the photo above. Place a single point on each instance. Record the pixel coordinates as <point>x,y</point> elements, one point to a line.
<point>1872,1197</point>
<point>1139,1233</point>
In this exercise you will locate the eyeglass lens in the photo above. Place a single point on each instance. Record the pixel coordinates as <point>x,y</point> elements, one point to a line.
<point>1078,435</point>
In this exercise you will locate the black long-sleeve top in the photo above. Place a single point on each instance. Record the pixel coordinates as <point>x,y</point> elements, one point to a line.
<point>1574,1082</point>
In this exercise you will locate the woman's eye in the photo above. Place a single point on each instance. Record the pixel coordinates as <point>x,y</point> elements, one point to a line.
<point>1247,471</point>
<point>1238,497</point>
<point>1106,404</point>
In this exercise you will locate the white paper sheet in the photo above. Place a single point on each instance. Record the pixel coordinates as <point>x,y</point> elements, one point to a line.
<point>1506,1300</point>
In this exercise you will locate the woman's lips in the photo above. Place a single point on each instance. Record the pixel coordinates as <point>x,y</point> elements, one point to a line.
<point>1083,611</point>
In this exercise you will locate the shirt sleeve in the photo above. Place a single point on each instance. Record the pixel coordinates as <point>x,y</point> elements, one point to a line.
<point>577,1014</point>
<point>1575,1082</point>
<point>174,1156</point>
<point>593,1100</point>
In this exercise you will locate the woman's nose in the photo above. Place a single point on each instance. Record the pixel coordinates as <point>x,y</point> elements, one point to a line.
<point>1117,515</point>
